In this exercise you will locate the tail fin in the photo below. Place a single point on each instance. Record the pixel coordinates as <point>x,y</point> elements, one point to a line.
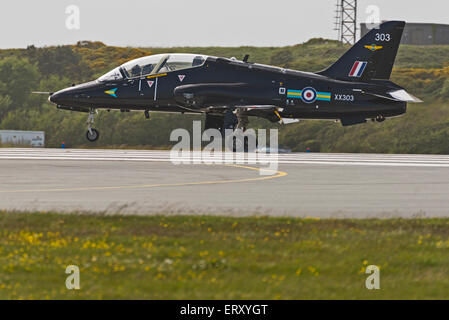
<point>372,57</point>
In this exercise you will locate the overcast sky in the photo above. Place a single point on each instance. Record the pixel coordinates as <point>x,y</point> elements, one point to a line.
<point>165,23</point>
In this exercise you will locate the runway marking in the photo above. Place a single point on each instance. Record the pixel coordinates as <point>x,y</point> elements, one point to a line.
<point>277,174</point>
<point>164,156</point>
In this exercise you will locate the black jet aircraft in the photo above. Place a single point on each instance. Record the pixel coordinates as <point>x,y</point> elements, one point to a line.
<point>227,91</point>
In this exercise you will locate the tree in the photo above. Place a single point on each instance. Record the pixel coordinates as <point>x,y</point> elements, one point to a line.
<point>18,77</point>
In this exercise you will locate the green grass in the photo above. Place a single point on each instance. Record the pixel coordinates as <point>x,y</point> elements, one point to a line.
<point>205,257</point>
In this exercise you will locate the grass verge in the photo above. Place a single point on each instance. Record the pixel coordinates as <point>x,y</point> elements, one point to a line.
<point>206,257</point>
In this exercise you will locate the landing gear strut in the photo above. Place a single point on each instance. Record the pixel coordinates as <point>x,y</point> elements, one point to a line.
<point>234,121</point>
<point>241,141</point>
<point>91,134</point>
<point>243,121</point>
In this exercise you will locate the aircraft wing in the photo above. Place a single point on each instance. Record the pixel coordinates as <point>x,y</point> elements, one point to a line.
<point>260,107</point>
<point>225,94</point>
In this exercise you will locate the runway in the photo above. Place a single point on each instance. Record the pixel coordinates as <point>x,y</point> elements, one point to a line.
<point>147,182</point>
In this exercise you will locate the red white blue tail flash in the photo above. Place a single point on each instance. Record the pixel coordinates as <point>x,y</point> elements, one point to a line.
<point>357,69</point>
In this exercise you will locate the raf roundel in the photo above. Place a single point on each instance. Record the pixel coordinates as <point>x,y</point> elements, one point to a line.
<point>309,95</point>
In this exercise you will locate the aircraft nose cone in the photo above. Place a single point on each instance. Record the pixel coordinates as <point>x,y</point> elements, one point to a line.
<point>55,98</point>
<point>75,95</point>
<point>62,97</point>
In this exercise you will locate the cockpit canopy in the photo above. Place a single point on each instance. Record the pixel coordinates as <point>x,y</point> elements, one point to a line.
<point>159,63</point>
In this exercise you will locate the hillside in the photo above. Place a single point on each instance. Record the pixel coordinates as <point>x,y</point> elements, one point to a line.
<point>424,71</point>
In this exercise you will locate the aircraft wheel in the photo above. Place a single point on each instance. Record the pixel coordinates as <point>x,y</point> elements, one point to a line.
<point>240,143</point>
<point>92,135</point>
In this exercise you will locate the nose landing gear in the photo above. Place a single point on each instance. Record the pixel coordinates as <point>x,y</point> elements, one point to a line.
<point>91,134</point>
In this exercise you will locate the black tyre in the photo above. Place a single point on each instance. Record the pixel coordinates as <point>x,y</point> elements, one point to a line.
<point>92,136</point>
<point>240,143</point>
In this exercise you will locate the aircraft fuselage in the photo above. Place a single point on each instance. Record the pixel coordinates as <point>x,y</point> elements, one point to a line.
<point>221,82</point>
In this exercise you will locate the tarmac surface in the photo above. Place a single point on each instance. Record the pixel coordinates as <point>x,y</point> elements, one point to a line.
<point>148,182</point>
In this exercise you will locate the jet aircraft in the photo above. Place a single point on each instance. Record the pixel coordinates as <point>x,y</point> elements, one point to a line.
<point>354,89</point>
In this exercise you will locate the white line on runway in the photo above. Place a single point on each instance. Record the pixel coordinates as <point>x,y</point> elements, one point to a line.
<point>164,156</point>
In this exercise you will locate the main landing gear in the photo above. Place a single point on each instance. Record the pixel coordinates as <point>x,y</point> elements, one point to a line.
<point>234,121</point>
<point>91,134</point>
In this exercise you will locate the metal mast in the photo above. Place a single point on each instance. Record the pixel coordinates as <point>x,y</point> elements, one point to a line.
<point>346,21</point>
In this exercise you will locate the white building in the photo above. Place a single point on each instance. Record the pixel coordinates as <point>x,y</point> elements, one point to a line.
<point>22,138</point>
